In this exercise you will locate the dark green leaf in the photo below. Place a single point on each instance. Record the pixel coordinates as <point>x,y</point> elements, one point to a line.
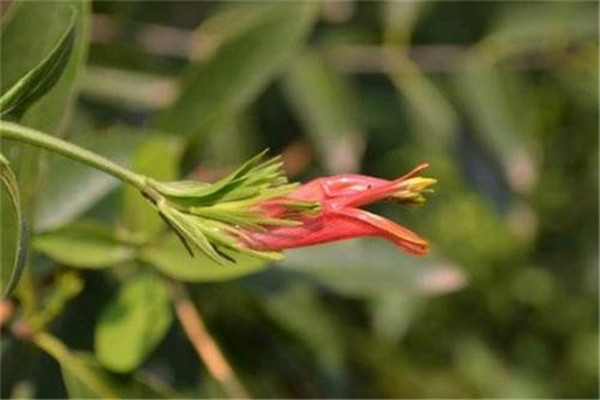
<point>526,27</point>
<point>172,259</point>
<point>84,245</point>
<point>30,30</point>
<point>326,104</point>
<point>215,92</point>
<point>13,233</point>
<point>40,79</point>
<point>430,108</point>
<point>400,18</point>
<point>133,324</point>
<point>497,118</point>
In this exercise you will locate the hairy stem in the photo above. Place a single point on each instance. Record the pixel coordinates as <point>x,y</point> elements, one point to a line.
<point>204,344</point>
<point>20,133</point>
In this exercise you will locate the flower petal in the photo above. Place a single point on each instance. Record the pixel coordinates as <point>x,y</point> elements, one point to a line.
<point>382,227</point>
<point>338,225</point>
<point>377,192</point>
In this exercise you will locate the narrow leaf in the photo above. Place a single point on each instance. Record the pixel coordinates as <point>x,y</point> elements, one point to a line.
<point>32,30</point>
<point>240,69</point>
<point>327,106</point>
<point>29,31</point>
<point>428,105</point>
<point>42,78</point>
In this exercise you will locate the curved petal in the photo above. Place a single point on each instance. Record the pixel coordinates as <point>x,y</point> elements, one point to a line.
<point>338,225</point>
<point>382,227</point>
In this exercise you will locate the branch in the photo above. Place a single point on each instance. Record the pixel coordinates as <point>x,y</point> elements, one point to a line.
<point>204,344</point>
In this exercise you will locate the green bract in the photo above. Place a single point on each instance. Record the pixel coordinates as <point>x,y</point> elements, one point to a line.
<point>212,217</point>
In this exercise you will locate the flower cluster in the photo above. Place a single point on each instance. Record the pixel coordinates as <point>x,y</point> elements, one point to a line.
<point>256,211</point>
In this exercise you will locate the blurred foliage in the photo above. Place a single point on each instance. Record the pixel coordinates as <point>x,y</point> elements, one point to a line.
<point>501,98</point>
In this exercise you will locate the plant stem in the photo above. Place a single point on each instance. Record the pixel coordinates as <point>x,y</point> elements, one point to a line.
<point>204,344</point>
<point>36,138</point>
<point>73,365</point>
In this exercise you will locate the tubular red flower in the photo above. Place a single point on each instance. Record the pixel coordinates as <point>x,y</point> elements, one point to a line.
<point>340,217</point>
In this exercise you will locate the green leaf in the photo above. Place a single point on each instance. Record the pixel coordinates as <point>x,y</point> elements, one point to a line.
<point>349,268</point>
<point>496,114</point>
<point>172,259</point>
<point>528,27</point>
<point>13,233</point>
<point>71,189</point>
<point>232,21</point>
<point>158,158</point>
<point>84,245</point>
<point>327,106</point>
<point>40,79</point>
<point>399,20</point>
<point>84,378</point>
<point>30,30</point>
<point>239,70</point>
<point>494,98</point>
<point>428,104</point>
<point>133,324</point>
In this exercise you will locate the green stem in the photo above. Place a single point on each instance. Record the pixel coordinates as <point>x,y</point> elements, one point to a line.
<point>36,138</point>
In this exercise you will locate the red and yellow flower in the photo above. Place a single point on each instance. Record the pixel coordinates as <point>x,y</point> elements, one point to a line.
<point>340,216</point>
<point>256,211</point>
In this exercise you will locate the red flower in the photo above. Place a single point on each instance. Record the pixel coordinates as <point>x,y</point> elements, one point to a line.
<point>340,217</point>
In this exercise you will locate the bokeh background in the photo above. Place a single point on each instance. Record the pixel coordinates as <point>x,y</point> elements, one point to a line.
<point>501,98</point>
